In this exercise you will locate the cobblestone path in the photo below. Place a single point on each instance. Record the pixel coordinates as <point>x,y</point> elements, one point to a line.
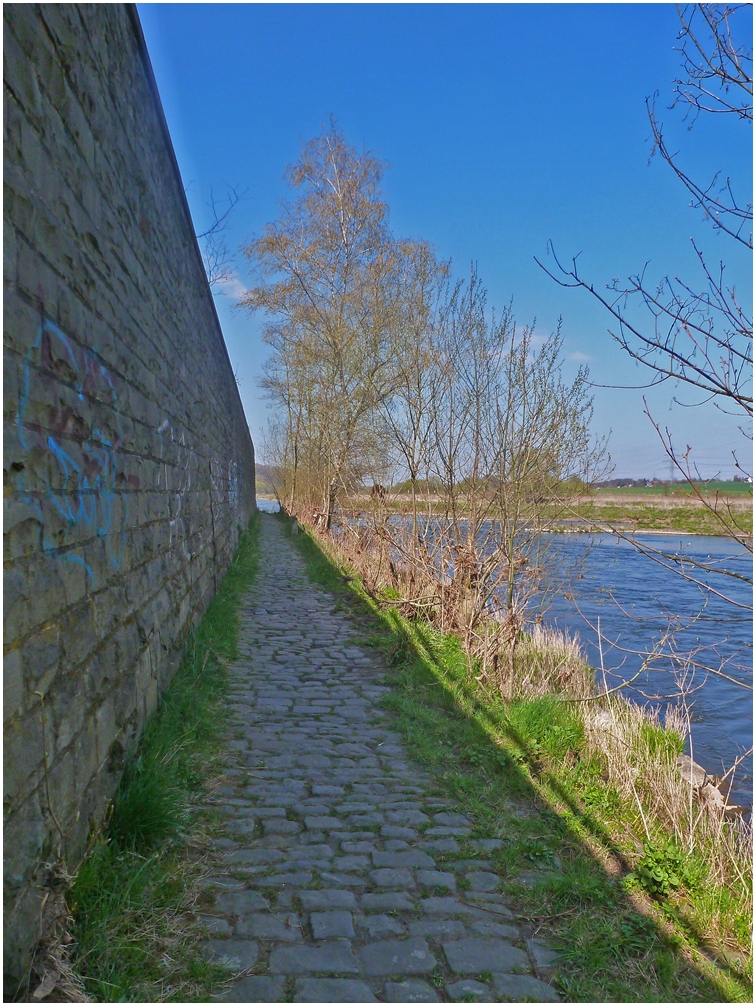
<point>343,876</point>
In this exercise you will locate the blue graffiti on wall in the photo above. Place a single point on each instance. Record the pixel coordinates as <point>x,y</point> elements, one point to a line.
<point>83,491</point>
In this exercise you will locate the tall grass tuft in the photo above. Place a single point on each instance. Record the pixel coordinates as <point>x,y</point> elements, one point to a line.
<point>639,759</point>
<point>550,662</point>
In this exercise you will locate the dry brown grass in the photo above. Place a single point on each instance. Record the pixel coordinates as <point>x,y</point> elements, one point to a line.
<point>550,662</point>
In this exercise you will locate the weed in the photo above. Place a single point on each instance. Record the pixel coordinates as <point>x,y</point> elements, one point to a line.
<point>660,869</point>
<point>547,726</point>
<point>437,979</point>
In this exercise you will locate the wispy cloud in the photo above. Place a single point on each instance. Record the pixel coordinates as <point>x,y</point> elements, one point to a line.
<point>231,286</point>
<point>580,358</point>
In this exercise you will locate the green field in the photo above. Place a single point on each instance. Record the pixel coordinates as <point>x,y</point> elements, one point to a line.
<point>632,509</point>
<point>683,489</point>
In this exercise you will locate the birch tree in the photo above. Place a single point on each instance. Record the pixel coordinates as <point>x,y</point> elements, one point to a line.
<point>331,284</point>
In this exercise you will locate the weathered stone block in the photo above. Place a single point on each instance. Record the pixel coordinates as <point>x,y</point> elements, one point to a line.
<point>332,990</point>
<point>469,990</point>
<point>389,902</point>
<point>327,899</point>
<point>523,988</point>
<point>255,989</point>
<point>327,925</point>
<point>392,878</point>
<point>335,955</point>
<point>475,954</point>
<point>266,926</point>
<point>406,860</point>
<point>13,685</point>
<point>397,957</point>
<point>412,990</point>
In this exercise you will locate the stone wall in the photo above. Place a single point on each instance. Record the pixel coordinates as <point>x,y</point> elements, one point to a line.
<point>128,464</point>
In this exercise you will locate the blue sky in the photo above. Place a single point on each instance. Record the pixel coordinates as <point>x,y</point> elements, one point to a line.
<point>505,125</point>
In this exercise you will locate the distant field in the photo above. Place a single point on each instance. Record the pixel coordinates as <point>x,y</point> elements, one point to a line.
<point>708,488</point>
<point>670,508</point>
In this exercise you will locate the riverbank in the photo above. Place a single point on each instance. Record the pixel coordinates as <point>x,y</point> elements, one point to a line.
<point>662,515</point>
<point>639,914</point>
<point>635,603</point>
<point>602,511</point>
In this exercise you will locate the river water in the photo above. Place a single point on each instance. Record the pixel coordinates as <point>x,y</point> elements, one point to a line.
<point>633,601</point>
<point>267,506</point>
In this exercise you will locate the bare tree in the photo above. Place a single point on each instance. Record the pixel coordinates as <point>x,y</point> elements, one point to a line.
<point>496,445</point>
<point>512,450</point>
<point>407,414</point>
<point>702,337</point>
<point>331,282</point>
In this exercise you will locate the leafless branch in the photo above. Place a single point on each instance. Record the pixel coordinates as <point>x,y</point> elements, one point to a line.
<point>703,339</point>
<point>718,73</point>
<point>215,252</point>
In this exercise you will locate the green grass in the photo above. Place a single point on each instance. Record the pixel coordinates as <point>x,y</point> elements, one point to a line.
<point>522,773</point>
<point>129,901</point>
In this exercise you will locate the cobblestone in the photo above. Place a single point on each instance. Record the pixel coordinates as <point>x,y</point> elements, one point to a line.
<point>392,878</point>
<point>271,927</point>
<point>333,990</point>
<point>396,957</point>
<point>474,954</point>
<point>236,955</point>
<point>338,896</point>
<point>403,859</point>
<point>483,881</point>
<point>334,955</point>
<point>326,925</point>
<point>518,988</point>
<point>469,988</point>
<point>410,991</point>
<point>255,989</point>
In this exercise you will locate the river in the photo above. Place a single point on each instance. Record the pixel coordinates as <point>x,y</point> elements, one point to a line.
<point>632,598</point>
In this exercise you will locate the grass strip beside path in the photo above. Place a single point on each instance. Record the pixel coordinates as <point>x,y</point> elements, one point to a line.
<point>134,893</point>
<point>568,838</point>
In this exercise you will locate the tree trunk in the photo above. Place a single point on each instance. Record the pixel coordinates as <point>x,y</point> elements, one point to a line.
<point>329,504</point>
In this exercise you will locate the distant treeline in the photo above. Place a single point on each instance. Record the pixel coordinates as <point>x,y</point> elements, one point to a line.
<point>265,479</point>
